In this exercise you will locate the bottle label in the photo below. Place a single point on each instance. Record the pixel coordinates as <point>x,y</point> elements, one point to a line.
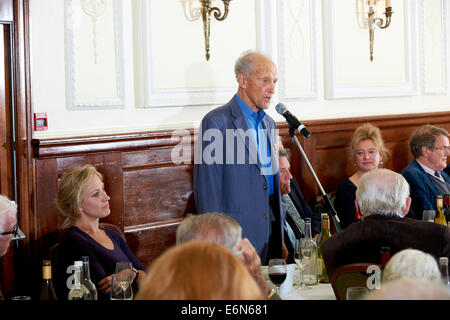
<point>47,272</point>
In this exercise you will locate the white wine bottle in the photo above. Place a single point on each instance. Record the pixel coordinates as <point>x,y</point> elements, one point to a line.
<point>79,290</point>
<point>47,291</point>
<point>325,236</point>
<point>86,279</point>
<point>440,217</point>
<point>309,255</point>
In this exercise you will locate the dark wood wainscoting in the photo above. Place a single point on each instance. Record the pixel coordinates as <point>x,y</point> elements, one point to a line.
<point>150,194</point>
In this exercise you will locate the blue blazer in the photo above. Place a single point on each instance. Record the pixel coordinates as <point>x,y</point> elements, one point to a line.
<point>423,190</point>
<point>238,190</point>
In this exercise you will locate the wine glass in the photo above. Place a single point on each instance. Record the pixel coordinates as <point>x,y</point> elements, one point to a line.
<point>121,286</point>
<point>277,272</point>
<point>301,267</point>
<point>428,215</point>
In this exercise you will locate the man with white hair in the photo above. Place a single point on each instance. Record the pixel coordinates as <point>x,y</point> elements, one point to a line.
<point>8,225</point>
<point>382,199</point>
<point>223,229</point>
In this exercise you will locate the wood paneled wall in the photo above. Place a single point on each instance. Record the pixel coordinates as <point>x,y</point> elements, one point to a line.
<point>150,194</point>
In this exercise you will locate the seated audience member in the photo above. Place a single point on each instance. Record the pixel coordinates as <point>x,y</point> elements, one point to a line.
<point>410,289</point>
<point>82,199</point>
<point>198,270</point>
<point>223,229</point>
<point>430,148</point>
<point>382,200</point>
<point>295,207</point>
<point>411,263</point>
<point>8,226</point>
<point>367,153</point>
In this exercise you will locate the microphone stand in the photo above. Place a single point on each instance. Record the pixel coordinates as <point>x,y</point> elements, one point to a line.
<point>325,196</point>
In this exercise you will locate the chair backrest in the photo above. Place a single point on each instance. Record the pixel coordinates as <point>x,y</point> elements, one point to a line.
<point>113,227</point>
<point>349,275</point>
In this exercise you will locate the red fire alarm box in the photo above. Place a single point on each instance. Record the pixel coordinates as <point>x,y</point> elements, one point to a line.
<point>40,121</point>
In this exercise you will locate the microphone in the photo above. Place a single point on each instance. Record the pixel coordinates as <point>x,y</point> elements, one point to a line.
<point>292,120</point>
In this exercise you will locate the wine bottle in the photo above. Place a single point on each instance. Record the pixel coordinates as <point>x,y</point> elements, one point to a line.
<point>309,254</point>
<point>47,291</point>
<point>439,217</point>
<point>443,266</point>
<point>79,290</point>
<point>86,280</point>
<point>325,236</point>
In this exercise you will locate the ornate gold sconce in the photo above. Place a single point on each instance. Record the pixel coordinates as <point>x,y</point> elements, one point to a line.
<point>205,11</point>
<point>368,13</point>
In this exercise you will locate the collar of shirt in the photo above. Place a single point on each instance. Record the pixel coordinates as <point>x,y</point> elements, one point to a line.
<point>253,118</point>
<point>429,171</point>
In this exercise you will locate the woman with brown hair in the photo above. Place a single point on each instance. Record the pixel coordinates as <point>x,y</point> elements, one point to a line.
<point>367,152</point>
<point>198,270</point>
<point>82,199</point>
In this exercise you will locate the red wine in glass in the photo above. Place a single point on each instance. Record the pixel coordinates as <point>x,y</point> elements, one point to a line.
<point>277,278</point>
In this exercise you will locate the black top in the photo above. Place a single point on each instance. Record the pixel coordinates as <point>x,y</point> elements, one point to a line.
<point>76,243</point>
<point>344,203</point>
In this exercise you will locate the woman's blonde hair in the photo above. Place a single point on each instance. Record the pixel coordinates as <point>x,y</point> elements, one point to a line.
<point>198,270</point>
<point>72,187</point>
<point>368,131</point>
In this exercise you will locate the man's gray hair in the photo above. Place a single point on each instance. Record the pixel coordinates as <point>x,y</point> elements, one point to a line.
<point>7,208</point>
<point>382,192</point>
<point>213,227</point>
<point>246,62</point>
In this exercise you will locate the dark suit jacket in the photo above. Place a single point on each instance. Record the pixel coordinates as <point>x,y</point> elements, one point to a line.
<point>361,242</point>
<point>423,190</point>
<point>239,190</point>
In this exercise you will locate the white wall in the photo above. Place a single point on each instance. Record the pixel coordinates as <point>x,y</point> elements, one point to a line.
<point>151,71</point>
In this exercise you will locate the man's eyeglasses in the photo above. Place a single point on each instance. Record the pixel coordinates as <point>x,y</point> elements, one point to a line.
<point>444,149</point>
<point>13,231</point>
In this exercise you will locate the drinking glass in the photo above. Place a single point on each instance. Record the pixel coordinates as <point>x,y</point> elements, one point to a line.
<point>277,272</point>
<point>300,266</point>
<point>121,286</point>
<point>356,293</point>
<point>428,215</point>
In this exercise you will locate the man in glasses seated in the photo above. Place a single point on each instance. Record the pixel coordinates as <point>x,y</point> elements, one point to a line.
<point>8,225</point>
<point>430,148</point>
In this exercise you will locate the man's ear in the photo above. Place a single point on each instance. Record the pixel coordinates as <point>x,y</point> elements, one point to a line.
<point>408,205</point>
<point>242,80</point>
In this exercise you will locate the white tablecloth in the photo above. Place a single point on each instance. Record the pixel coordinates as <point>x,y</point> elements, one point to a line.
<point>321,291</point>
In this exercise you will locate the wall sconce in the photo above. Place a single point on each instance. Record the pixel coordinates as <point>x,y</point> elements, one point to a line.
<point>205,11</point>
<point>368,13</point>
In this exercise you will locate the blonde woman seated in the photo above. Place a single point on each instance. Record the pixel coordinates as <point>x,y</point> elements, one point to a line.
<point>198,270</point>
<point>82,199</point>
<point>367,153</point>
<point>411,263</point>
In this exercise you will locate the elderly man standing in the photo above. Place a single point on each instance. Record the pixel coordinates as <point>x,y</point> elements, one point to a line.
<point>236,165</point>
<point>430,148</point>
<point>8,225</point>
<point>382,199</point>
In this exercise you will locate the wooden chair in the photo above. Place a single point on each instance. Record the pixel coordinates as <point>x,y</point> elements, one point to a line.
<point>349,275</point>
<point>115,228</point>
